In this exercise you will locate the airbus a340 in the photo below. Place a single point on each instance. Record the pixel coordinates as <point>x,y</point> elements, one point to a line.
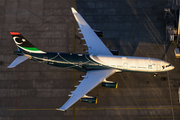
<point>99,64</point>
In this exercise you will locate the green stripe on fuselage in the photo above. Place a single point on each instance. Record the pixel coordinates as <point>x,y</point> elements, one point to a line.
<point>31,48</point>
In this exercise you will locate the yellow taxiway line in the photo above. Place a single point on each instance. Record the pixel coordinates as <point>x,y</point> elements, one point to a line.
<point>100,109</point>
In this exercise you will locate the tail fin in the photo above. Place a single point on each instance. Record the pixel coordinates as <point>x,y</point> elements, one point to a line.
<point>23,44</point>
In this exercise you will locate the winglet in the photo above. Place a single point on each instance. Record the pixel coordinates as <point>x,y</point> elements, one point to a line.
<point>61,109</point>
<point>78,18</point>
<point>73,10</point>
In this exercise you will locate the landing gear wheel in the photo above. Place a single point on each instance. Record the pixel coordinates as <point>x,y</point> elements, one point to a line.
<point>155,74</point>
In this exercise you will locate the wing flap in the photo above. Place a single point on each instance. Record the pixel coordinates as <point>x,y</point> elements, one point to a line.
<point>92,79</point>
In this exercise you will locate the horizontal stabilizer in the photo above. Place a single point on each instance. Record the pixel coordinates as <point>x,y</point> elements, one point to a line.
<point>18,60</point>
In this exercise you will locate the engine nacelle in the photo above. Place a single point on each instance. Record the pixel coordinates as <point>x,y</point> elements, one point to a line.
<point>88,99</point>
<point>115,52</point>
<point>99,33</point>
<point>110,84</point>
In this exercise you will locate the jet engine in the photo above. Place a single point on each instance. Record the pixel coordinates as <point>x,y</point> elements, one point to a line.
<point>88,99</point>
<point>109,84</point>
<point>115,52</point>
<point>99,33</point>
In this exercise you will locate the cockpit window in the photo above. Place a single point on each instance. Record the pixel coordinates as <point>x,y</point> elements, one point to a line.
<point>168,65</point>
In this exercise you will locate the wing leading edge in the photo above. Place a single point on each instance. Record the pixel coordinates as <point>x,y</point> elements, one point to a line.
<point>95,45</point>
<point>91,80</point>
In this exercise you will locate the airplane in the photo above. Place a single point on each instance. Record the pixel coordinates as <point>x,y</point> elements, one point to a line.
<point>99,64</point>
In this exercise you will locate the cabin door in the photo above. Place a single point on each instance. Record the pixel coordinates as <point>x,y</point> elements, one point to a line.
<point>125,65</point>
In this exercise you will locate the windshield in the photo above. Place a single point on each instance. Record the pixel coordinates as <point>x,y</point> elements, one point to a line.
<point>168,65</point>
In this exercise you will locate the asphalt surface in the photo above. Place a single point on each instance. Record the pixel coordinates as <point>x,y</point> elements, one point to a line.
<point>32,91</point>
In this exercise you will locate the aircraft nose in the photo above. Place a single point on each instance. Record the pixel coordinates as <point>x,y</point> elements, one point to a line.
<point>172,67</point>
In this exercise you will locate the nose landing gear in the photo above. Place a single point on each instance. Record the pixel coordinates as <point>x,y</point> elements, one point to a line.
<point>155,74</point>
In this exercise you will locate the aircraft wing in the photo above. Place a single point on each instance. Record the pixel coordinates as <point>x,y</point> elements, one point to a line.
<point>95,45</point>
<point>91,80</point>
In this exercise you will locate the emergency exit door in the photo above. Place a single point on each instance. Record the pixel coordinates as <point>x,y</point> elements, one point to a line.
<point>125,65</point>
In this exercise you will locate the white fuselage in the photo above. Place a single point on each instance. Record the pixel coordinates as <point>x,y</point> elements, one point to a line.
<point>136,64</point>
